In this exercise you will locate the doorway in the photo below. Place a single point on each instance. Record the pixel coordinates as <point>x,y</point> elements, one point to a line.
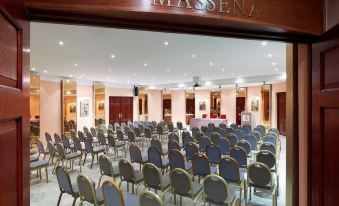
<point>120,109</point>
<point>281,112</point>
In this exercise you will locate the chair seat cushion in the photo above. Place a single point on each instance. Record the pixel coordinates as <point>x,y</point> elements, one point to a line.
<point>165,163</point>
<point>139,177</point>
<point>38,164</point>
<point>98,149</point>
<point>72,155</point>
<point>33,158</point>
<point>116,171</point>
<point>197,187</point>
<point>119,144</point>
<point>130,200</point>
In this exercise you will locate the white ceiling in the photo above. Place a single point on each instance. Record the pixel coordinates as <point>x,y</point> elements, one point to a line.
<point>91,49</point>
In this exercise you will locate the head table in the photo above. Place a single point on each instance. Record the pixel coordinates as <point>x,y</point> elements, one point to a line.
<point>198,122</point>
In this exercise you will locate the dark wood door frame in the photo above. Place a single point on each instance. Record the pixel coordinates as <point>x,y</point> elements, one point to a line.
<point>281,95</point>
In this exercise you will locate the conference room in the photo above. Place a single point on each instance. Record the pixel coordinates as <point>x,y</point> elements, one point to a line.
<point>129,117</point>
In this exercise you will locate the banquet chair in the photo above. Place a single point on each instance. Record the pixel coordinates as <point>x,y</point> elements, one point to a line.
<point>213,153</point>
<point>172,144</point>
<point>154,156</point>
<point>232,138</point>
<point>224,146</point>
<point>41,149</point>
<point>87,191</point>
<point>201,166</point>
<point>149,198</point>
<point>113,196</point>
<point>92,150</point>
<point>136,155</point>
<point>65,185</point>
<point>107,169</point>
<point>240,155</point>
<point>191,149</point>
<point>156,143</point>
<point>129,175</point>
<point>177,160</point>
<point>112,143</point>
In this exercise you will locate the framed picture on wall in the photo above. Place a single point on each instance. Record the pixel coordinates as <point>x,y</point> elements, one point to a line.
<point>72,108</point>
<point>202,105</point>
<point>101,106</point>
<point>254,104</point>
<point>84,108</point>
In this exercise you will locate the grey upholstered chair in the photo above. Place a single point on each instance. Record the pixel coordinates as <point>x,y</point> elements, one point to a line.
<point>203,142</point>
<point>92,150</point>
<point>113,196</point>
<point>269,159</point>
<point>259,176</point>
<point>87,191</point>
<point>240,155</point>
<point>245,145</point>
<point>229,170</point>
<point>129,175</point>
<point>173,136</point>
<point>232,138</point>
<point>149,198</point>
<point>177,160</point>
<point>156,143</point>
<point>250,138</point>
<point>186,139</point>
<point>201,166</point>
<point>52,151</point>
<point>68,157</point>
<point>215,137</point>
<point>67,145</point>
<point>133,139</point>
<point>65,185</point>
<point>213,153</point>
<point>112,143</point>
<point>107,168</point>
<point>41,149</point>
<point>183,186</point>
<point>172,144</point>
<point>136,155</point>
<point>224,146</point>
<point>154,156</point>
<point>154,179</point>
<point>268,146</point>
<point>57,139</point>
<point>191,149</point>
<point>217,191</point>
<point>48,137</point>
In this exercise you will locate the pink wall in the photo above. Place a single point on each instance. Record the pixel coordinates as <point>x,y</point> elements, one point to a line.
<point>202,96</point>
<point>85,93</point>
<point>276,88</point>
<point>228,104</point>
<point>154,105</point>
<point>178,106</point>
<point>34,106</point>
<point>50,108</point>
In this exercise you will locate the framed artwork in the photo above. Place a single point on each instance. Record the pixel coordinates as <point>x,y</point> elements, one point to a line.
<point>254,104</point>
<point>72,108</point>
<point>84,108</point>
<point>101,106</point>
<point>202,105</point>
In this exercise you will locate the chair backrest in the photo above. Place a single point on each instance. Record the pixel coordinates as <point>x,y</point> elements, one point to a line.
<point>172,144</point>
<point>173,136</point>
<point>48,137</point>
<point>152,176</point>
<point>176,159</point>
<point>258,129</point>
<point>238,133</point>
<point>156,143</point>
<point>170,127</point>
<point>113,195</point>
<point>61,151</point>
<point>87,189</point>
<point>268,146</point>
<point>77,143</point>
<point>203,142</point>
<point>267,158</point>
<point>93,132</point>
<point>274,130</point>
<point>180,125</point>
<point>186,139</point>
<point>131,136</point>
<point>239,154</point>
<point>120,134</point>
<point>257,135</point>
<point>40,146</point>
<point>64,180</point>
<point>110,127</point>
<point>229,170</point>
<point>222,132</point>
<point>135,153</point>
<point>149,198</point>
<point>223,116</point>
<point>271,139</point>
<point>51,149</point>
<point>191,149</point>
<point>101,139</point>
<point>57,138</point>
<point>65,142</point>
<point>258,174</point>
<point>199,135</point>
<point>194,131</point>
<point>105,165</point>
<point>154,156</point>
<point>214,116</point>
<point>111,140</point>
<point>245,145</point>
<point>126,170</point>
<point>213,153</point>
<point>216,190</point>
<point>81,136</point>
<point>234,126</point>
<point>204,129</point>
<point>148,132</point>
<point>224,146</point>
<point>204,115</point>
<point>215,137</point>
<point>232,138</point>
<point>201,165</point>
<point>181,182</point>
<point>88,145</point>
<point>250,138</point>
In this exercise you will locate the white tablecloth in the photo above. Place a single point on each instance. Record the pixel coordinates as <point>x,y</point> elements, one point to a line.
<point>198,122</point>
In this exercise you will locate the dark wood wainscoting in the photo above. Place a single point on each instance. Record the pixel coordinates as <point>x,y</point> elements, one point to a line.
<point>120,109</point>
<point>281,112</point>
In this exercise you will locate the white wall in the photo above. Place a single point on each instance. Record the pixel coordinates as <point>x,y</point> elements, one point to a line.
<point>200,96</point>
<point>154,105</point>
<point>178,106</point>
<point>228,104</point>
<point>276,88</point>
<point>85,94</point>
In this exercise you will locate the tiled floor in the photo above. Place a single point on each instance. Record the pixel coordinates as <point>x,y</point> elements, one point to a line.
<point>46,194</point>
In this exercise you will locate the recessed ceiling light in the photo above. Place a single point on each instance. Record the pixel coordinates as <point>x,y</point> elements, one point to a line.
<point>239,80</point>
<point>168,70</point>
<point>110,70</point>
<point>264,43</point>
<point>45,71</point>
<point>112,56</point>
<point>168,80</point>
<point>67,80</point>
<point>276,69</point>
<point>166,43</point>
<point>193,55</point>
<point>145,64</point>
<point>274,63</point>
<point>70,76</point>
<point>184,74</point>
<point>61,43</point>
<point>207,83</point>
<point>181,85</point>
<point>223,69</point>
<point>211,64</point>
<point>76,64</point>
<point>33,69</point>
<point>269,56</point>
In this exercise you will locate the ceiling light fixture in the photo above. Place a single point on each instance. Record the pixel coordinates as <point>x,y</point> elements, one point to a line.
<point>208,83</point>
<point>274,63</point>
<point>223,69</point>
<point>239,80</point>
<point>61,43</point>
<point>184,74</point>
<point>166,43</point>
<point>33,69</point>
<point>112,56</point>
<point>269,56</point>
<point>145,64</point>
<point>193,55</point>
<point>264,43</point>
<point>110,70</point>
<point>45,71</point>
<point>168,70</point>
<point>276,69</point>
<point>211,64</point>
<point>76,64</point>
<point>232,74</point>
<point>134,74</point>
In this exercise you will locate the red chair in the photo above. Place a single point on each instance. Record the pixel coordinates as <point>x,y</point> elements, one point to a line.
<point>214,116</point>
<point>223,116</point>
<point>204,116</point>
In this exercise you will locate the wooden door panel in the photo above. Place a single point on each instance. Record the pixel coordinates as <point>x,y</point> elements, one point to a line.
<point>281,113</point>
<point>14,104</point>
<point>324,159</point>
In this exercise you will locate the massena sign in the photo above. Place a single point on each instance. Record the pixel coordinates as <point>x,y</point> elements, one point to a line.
<point>227,7</point>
